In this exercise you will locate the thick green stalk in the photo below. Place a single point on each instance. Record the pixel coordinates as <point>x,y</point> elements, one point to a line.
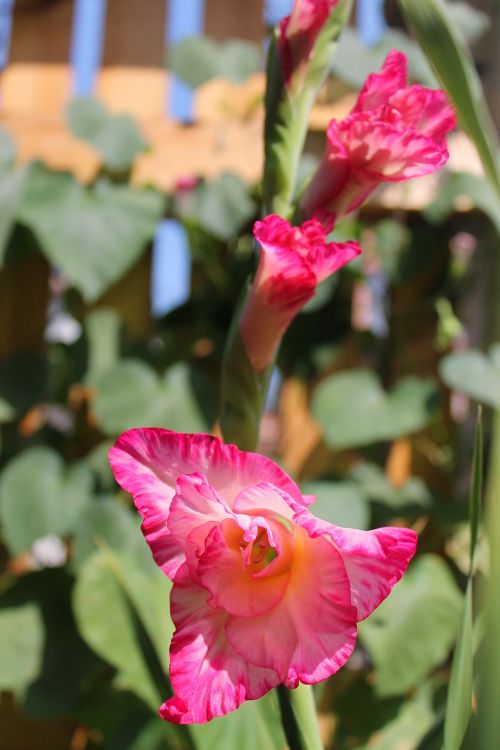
<point>288,110</point>
<point>298,716</point>
<point>244,391</point>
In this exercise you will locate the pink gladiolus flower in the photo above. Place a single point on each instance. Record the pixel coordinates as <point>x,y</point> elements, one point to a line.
<point>298,33</point>
<point>263,592</point>
<point>293,260</point>
<point>394,132</point>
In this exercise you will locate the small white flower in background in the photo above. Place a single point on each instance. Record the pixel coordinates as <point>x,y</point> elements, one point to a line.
<point>49,552</point>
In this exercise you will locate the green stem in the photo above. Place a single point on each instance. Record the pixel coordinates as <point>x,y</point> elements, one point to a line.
<point>298,717</point>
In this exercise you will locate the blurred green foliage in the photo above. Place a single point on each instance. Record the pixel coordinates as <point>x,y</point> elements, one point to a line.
<point>84,618</point>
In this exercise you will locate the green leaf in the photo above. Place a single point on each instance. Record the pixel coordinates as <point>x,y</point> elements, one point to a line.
<point>413,631</point>
<point>460,690</point>
<point>21,646</point>
<point>413,720</point>
<point>131,393</point>
<point>473,373</point>
<point>114,601</point>
<point>94,235</point>
<point>341,503</point>
<point>197,59</point>
<point>66,662</point>
<point>448,54</point>
<point>254,725</point>
<point>373,483</point>
<point>355,61</point>
<point>39,497</point>
<point>476,491</point>
<point>102,328</point>
<point>7,148</point>
<point>354,410</point>
<point>116,137</point>
<point>223,207</point>
<point>459,700</point>
<point>12,186</point>
<point>108,522</point>
<point>471,186</point>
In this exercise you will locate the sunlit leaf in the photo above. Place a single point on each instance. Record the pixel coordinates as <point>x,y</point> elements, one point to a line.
<point>223,206</point>
<point>117,138</point>
<point>197,59</point>
<point>39,497</point>
<point>341,503</point>
<point>132,394</point>
<point>102,328</point>
<point>353,409</point>
<point>12,186</point>
<point>458,707</point>
<point>413,631</point>
<point>114,602</point>
<point>254,725</point>
<point>473,373</point>
<point>94,235</point>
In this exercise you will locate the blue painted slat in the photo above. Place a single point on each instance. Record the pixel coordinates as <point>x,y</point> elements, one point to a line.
<point>171,272</point>
<point>171,260</point>
<point>89,18</point>
<point>274,10</point>
<point>185,18</point>
<point>371,21</point>
<point>6,8</point>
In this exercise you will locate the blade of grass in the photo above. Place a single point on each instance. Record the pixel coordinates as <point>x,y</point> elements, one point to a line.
<point>460,690</point>
<point>453,65</point>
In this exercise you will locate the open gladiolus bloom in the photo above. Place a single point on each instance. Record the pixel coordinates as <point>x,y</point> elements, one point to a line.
<point>292,262</point>
<point>263,592</point>
<point>298,33</point>
<point>393,133</point>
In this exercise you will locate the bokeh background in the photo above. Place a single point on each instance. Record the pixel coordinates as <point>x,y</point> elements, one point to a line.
<point>130,159</point>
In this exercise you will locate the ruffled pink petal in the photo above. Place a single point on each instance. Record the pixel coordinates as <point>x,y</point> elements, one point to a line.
<point>263,499</point>
<point>378,151</point>
<point>311,633</point>
<point>147,462</point>
<point>209,678</point>
<point>233,586</point>
<point>195,509</point>
<point>428,111</point>
<point>379,87</point>
<point>330,178</point>
<point>374,560</point>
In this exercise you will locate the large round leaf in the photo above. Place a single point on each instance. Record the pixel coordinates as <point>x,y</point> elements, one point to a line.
<point>39,497</point>
<point>413,631</point>
<point>92,234</point>
<point>21,646</point>
<point>197,59</point>
<point>354,410</point>
<point>116,137</point>
<point>223,206</point>
<point>341,503</point>
<point>109,522</point>
<point>475,374</point>
<point>131,394</point>
<point>117,607</point>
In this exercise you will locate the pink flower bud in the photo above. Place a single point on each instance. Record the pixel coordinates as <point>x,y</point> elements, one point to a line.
<point>298,33</point>
<point>293,261</point>
<point>395,132</point>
